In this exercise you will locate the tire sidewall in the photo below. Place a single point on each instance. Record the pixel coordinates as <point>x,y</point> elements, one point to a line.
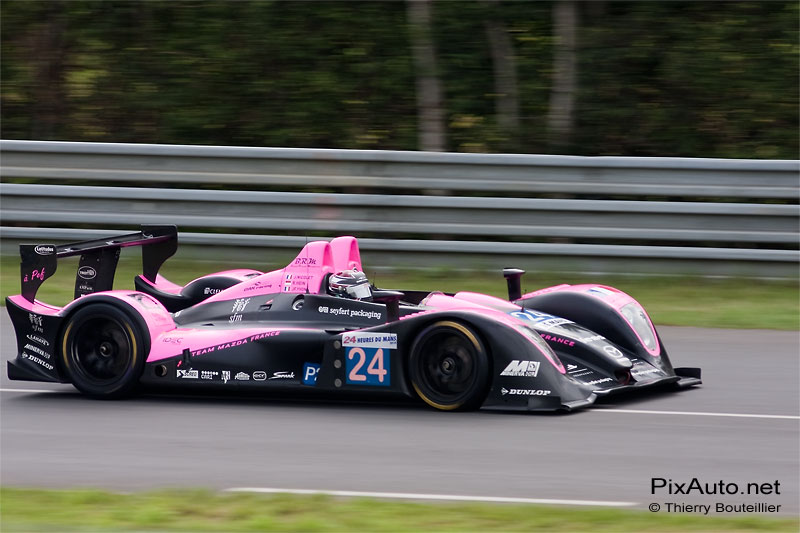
<point>474,396</point>
<point>130,325</point>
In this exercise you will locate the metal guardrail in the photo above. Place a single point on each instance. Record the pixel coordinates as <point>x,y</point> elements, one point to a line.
<point>405,214</point>
<point>589,234</point>
<point>153,164</point>
<point>437,247</point>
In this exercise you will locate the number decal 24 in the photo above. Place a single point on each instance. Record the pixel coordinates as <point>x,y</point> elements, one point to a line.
<point>376,366</point>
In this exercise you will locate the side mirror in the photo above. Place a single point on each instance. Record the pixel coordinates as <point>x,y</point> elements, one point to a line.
<point>513,276</point>
<point>392,301</point>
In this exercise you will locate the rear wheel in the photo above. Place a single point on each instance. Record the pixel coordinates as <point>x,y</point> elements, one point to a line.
<point>449,367</point>
<point>103,351</point>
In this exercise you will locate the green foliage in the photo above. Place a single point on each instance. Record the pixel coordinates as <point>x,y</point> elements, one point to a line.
<point>695,79</point>
<point>691,78</point>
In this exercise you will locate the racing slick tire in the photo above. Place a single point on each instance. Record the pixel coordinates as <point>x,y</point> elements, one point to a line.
<point>449,367</point>
<point>103,351</point>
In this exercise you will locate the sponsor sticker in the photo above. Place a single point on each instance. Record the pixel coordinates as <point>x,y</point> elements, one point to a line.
<point>36,274</point>
<point>188,374</point>
<point>239,305</point>
<point>233,344</point>
<point>40,340</point>
<point>598,381</point>
<point>310,371</point>
<point>525,392</point>
<point>553,322</point>
<point>613,352</point>
<point>354,313</point>
<point>36,322</point>
<point>557,340</point>
<point>259,375</point>
<point>258,285</point>
<point>36,349</point>
<point>37,360</point>
<point>237,309</point>
<point>45,249</point>
<point>242,376</point>
<point>282,375</point>
<point>370,340</point>
<point>643,372</point>
<point>540,319</point>
<point>87,272</point>
<point>526,369</point>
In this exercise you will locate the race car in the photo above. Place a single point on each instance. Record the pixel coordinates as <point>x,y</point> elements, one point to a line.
<point>319,324</point>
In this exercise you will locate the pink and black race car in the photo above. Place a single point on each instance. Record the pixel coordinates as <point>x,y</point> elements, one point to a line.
<point>319,324</point>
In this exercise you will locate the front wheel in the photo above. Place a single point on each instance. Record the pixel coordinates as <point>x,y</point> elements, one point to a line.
<point>103,351</point>
<point>449,368</point>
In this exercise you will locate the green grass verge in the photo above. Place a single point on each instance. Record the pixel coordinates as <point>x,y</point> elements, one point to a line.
<point>701,302</point>
<point>32,510</point>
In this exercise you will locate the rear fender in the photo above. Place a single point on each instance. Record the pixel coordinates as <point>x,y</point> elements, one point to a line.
<point>152,317</point>
<point>39,329</point>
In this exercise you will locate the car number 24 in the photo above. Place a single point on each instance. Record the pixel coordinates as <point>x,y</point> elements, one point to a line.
<point>368,366</point>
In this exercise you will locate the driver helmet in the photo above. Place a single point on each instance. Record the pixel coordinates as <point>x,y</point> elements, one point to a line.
<point>351,284</point>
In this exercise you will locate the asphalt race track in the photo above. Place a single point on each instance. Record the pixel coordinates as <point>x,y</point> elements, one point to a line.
<point>609,453</point>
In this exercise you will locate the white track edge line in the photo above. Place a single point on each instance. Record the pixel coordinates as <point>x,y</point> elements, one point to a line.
<point>596,410</point>
<point>31,390</point>
<point>690,413</point>
<point>435,497</point>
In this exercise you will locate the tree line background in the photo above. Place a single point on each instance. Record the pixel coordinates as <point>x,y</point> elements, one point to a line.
<point>693,79</point>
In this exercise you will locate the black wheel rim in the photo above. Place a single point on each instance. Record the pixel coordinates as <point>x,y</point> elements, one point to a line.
<point>101,350</point>
<point>447,366</point>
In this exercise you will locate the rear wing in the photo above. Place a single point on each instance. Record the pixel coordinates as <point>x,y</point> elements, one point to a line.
<point>99,257</point>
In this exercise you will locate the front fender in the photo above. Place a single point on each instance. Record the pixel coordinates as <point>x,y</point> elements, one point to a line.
<point>525,374</point>
<point>524,378</point>
<point>604,310</point>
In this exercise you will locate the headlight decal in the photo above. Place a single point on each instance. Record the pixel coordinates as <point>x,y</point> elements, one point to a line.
<point>635,316</point>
